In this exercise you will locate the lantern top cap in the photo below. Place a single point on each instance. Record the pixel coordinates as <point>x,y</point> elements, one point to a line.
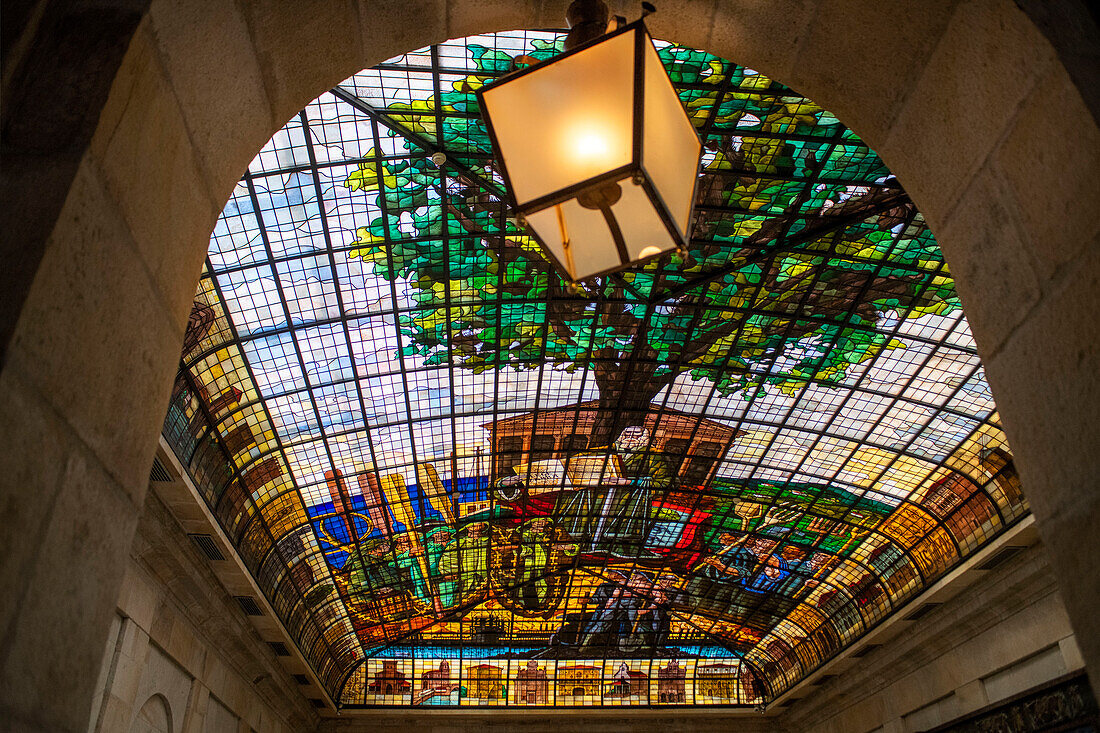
<point>628,28</point>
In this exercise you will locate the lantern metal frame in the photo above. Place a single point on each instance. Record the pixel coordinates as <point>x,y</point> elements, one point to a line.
<point>633,170</point>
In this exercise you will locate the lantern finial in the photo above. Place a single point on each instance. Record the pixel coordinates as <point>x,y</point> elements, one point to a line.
<point>587,20</point>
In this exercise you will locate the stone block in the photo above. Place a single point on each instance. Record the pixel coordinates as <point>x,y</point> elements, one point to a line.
<point>392,27</point>
<point>971,697</point>
<point>194,720</point>
<point>762,35</point>
<point>1070,533</point>
<point>139,599</point>
<point>163,621</point>
<point>469,17</point>
<point>149,168</point>
<point>986,63</point>
<point>1044,380</point>
<point>185,647</point>
<point>303,49</point>
<point>1071,653</point>
<point>93,295</point>
<point>116,715</point>
<point>1049,160</point>
<point>210,63</point>
<point>860,60</point>
<point>54,648</point>
<point>36,443</point>
<point>990,260</point>
<point>130,663</point>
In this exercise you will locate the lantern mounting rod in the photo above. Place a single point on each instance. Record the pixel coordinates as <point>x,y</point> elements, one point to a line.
<point>603,197</point>
<point>587,20</point>
<point>590,19</point>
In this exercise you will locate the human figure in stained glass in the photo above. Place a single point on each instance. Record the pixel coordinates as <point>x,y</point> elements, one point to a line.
<point>731,563</point>
<point>614,615</point>
<point>436,540</point>
<point>464,563</point>
<point>773,575</point>
<point>535,553</point>
<point>406,564</point>
<point>617,515</point>
<point>370,569</point>
<point>600,618</point>
<point>656,623</point>
<point>534,558</point>
<point>716,585</point>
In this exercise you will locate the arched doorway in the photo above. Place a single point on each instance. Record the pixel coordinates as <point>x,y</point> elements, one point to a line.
<point>88,369</point>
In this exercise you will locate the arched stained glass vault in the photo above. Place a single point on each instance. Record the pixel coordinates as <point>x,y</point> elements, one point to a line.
<point>459,483</point>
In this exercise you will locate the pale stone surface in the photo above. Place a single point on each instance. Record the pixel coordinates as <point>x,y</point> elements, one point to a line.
<point>1044,379</point>
<point>327,49</point>
<point>93,294</point>
<point>391,27</point>
<point>206,51</point>
<point>1071,653</point>
<point>971,697</point>
<point>1050,161</point>
<point>75,576</point>
<point>147,164</point>
<point>139,598</point>
<point>988,60</point>
<point>1025,674</point>
<point>37,443</point>
<point>734,33</point>
<point>476,16</point>
<point>182,659</point>
<point>860,60</point>
<point>992,265</point>
<point>195,719</point>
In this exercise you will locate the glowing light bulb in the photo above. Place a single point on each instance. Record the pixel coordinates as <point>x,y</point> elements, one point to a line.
<point>649,252</point>
<point>589,144</point>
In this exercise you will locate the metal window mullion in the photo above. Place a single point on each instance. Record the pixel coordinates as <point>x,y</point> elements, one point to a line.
<point>305,375</point>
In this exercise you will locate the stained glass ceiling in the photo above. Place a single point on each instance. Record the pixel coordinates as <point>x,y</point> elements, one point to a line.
<point>460,483</point>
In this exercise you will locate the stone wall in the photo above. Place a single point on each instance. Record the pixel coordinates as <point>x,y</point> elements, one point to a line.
<point>181,656</point>
<point>967,101</point>
<point>1005,634</point>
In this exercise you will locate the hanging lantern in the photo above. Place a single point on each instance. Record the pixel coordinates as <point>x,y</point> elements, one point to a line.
<point>597,153</point>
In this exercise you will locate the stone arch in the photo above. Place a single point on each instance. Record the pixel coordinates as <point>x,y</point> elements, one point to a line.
<point>953,95</point>
<point>155,716</point>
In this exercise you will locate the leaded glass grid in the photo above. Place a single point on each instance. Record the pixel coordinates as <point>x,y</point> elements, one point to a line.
<point>460,483</point>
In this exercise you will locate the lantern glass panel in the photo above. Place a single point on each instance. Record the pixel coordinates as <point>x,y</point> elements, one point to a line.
<point>567,122</point>
<point>592,248</point>
<point>670,152</point>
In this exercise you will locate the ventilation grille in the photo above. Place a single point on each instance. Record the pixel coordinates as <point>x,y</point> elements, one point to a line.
<point>865,651</point>
<point>159,473</point>
<point>208,546</point>
<point>1005,554</point>
<point>317,703</point>
<point>301,679</point>
<point>922,611</point>
<point>279,648</point>
<point>249,606</point>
